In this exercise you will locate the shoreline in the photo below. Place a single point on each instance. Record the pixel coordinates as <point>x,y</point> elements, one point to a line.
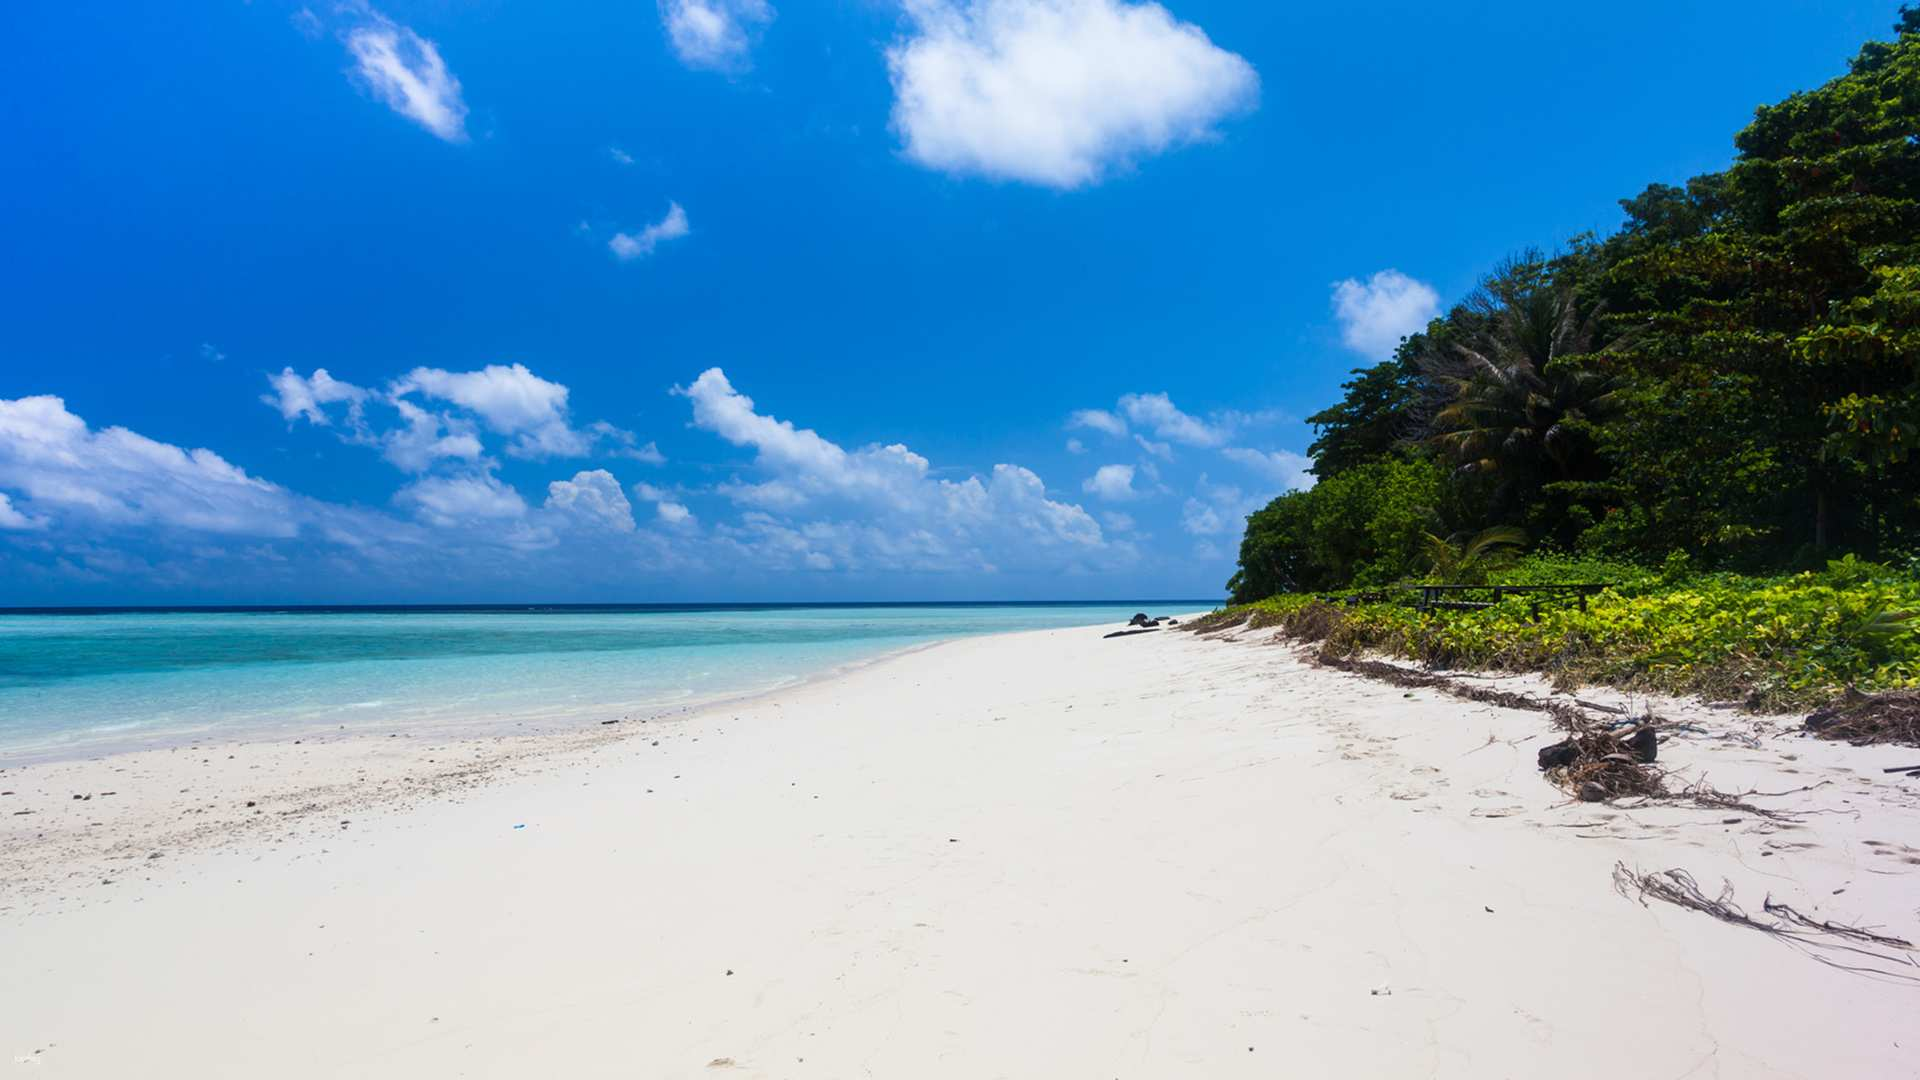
<point>1040,853</point>
<point>565,720</point>
<point>344,771</point>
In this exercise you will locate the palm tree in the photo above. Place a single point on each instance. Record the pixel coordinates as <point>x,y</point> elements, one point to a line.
<point>1514,405</point>
<point>1467,560</point>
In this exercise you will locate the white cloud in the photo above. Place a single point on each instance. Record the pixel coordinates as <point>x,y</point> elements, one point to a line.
<point>1201,519</point>
<point>473,498</point>
<point>1293,471</point>
<point>1056,92</point>
<point>405,70</point>
<point>509,400</point>
<point>594,498</point>
<point>619,155</point>
<point>1376,314</point>
<point>879,507</point>
<point>118,478</point>
<point>427,439</point>
<point>307,397</point>
<point>14,519</point>
<point>665,506</point>
<point>1217,509</point>
<point>629,246</point>
<point>806,465</point>
<point>81,505</point>
<point>1158,449</point>
<point>1113,483</point>
<point>714,34</point>
<point>1157,413</point>
<point>1117,521</point>
<point>1098,420</point>
<point>627,445</point>
<point>1075,446</point>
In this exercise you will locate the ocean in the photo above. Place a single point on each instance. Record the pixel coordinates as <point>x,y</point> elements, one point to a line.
<point>79,684</point>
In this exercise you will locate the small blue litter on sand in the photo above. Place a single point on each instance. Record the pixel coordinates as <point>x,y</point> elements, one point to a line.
<point>519,826</point>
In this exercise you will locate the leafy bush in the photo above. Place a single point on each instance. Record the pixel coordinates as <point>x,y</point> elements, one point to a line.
<point>1365,526</point>
<point>1776,642</point>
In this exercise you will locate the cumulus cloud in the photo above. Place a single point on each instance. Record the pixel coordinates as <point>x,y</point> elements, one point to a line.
<point>1216,509</point>
<point>81,505</point>
<point>14,519</point>
<point>405,70</point>
<point>438,416</point>
<point>297,396</point>
<point>1294,472</point>
<point>1111,482</point>
<point>424,439</point>
<point>1160,450</point>
<point>879,506</point>
<point>715,35</point>
<point>1056,92</point>
<point>805,465</point>
<point>109,504</point>
<point>1075,446</point>
<point>509,400</point>
<point>627,445</point>
<point>1098,420</point>
<point>1375,314</point>
<point>666,506</point>
<point>466,499</point>
<point>629,246</point>
<point>593,498</point>
<point>117,477</point>
<point>1157,413</point>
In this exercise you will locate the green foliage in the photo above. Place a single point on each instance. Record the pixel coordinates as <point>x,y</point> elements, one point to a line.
<point>1734,374</point>
<point>1371,420</point>
<point>1775,642</point>
<point>1467,560</point>
<point>1775,311</point>
<point>1364,525</point>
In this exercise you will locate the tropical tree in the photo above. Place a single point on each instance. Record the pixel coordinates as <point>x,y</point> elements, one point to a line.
<point>1521,394</point>
<point>1467,560</point>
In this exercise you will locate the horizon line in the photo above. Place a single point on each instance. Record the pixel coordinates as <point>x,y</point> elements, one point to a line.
<point>504,606</point>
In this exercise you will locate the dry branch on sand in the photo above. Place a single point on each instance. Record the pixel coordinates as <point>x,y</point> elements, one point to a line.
<point>1598,762</point>
<point>1862,719</point>
<point>1601,759</point>
<point>1884,956</point>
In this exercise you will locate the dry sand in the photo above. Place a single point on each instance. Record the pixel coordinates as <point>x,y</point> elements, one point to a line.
<point>1035,855</point>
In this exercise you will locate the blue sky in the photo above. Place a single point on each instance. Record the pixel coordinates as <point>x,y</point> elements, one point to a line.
<point>726,299</point>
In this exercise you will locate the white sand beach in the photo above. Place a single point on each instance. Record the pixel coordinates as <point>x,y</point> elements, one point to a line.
<point>1032,855</point>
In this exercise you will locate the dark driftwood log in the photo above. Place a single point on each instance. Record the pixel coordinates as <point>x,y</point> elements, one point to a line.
<point>1130,633</point>
<point>1558,755</point>
<point>1644,744</point>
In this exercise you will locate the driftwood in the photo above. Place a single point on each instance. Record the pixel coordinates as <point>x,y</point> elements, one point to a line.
<point>1863,951</point>
<point>1864,719</point>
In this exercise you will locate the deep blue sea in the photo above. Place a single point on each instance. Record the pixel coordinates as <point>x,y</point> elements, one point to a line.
<point>75,684</point>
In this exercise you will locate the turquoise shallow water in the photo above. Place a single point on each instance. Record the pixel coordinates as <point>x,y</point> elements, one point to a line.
<point>73,685</point>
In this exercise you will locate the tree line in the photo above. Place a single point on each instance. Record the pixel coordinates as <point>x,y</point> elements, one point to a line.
<point>1731,378</point>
